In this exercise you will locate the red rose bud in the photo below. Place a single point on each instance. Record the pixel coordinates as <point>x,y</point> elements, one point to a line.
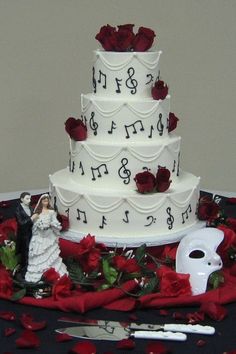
<point>208,209</point>
<point>123,39</point>
<point>143,39</point>
<point>29,323</point>
<point>173,120</point>
<point>106,37</point>
<point>159,90</point>
<point>145,181</point>
<point>215,311</point>
<point>162,179</point>
<point>76,129</point>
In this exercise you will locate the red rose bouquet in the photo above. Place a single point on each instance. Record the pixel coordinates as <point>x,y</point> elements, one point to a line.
<point>123,38</point>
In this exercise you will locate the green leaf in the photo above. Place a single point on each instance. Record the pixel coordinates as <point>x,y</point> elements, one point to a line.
<point>18,295</point>
<point>140,253</point>
<point>109,272</point>
<point>149,287</point>
<point>215,279</point>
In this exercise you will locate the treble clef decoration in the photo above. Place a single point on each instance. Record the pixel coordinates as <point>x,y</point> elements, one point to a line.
<point>123,172</point>
<point>170,219</point>
<point>131,83</point>
<point>93,125</point>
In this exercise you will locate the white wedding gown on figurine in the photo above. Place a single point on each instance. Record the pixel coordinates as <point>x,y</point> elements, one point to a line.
<point>44,248</point>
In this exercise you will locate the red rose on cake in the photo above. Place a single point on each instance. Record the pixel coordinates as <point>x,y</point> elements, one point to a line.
<point>173,121</point>
<point>162,179</point>
<point>159,90</point>
<point>143,39</point>
<point>145,181</point>
<point>123,39</point>
<point>76,129</point>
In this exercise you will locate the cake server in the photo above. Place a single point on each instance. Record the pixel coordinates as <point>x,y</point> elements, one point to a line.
<point>118,333</point>
<point>173,327</point>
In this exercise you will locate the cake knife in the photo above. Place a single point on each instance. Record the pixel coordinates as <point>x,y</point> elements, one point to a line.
<point>173,327</point>
<point>118,333</point>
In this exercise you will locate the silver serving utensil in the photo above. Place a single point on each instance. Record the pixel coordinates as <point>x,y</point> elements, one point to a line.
<point>118,333</point>
<point>173,327</point>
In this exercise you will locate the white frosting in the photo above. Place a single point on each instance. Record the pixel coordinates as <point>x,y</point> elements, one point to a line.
<point>127,134</point>
<point>132,120</point>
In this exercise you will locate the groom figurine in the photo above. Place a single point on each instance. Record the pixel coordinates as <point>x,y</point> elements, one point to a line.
<point>25,219</point>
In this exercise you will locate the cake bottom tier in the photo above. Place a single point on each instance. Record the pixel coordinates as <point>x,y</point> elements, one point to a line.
<point>129,218</point>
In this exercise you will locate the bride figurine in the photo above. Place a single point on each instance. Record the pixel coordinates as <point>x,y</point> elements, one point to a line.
<point>44,248</point>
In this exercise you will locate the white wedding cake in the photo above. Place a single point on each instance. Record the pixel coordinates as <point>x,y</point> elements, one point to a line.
<point>127,133</point>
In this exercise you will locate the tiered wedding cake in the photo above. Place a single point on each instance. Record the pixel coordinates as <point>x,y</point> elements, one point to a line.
<point>124,132</point>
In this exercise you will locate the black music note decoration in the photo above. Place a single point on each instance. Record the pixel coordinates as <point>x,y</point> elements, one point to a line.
<point>82,168</point>
<point>67,211</point>
<point>174,165</point>
<point>102,75</point>
<point>130,82</point>
<point>141,128</point>
<point>160,125</point>
<point>145,168</point>
<point>93,169</point>
<point>118,83</point>
<point>123,172</point>
<point>152,220</point>
<point>151,130</point>
<point>71,165</point>
<point>94,81</point>
<point>126,219</point>
<point>170,220</point>
<point>103,223</point>
<point>177,174</point>
<point>84,216</point>
<point>93,125</point>
<point>186,213</point>
<point>113,126</point>
<point>150,79</point>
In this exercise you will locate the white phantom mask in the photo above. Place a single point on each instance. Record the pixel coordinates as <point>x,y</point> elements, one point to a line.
<point>196,255</point>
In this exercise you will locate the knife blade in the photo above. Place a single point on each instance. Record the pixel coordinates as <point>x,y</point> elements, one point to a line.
<point>173,327</point>
<point>112,333</point>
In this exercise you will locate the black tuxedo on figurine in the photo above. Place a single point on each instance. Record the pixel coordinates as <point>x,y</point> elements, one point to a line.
<point>24,234</point>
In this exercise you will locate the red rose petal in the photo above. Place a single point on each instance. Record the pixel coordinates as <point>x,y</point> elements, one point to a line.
<point>178,316</point>
<point>125,344</point>
<point>28,322</point>
<point>163,312</point>
<point>215,311</point>
<point>195,317</point>
<point>63,337</point>
<point>231,200</point>
<point>7,315</point>
<point>28,339</point>
<point>86,347</point>
<point>156,348</point>
<point>133,317</point>
<point>201,343</point>
<point>9,331</point>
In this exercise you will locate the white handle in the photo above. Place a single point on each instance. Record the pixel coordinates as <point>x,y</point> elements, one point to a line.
<point>159,335</point>
<point>188,328</point>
